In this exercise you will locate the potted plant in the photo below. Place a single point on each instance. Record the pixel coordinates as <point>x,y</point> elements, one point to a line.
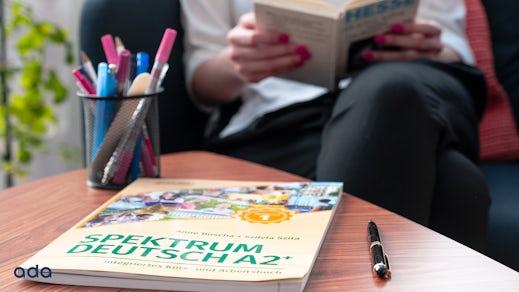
<point>29,91</point>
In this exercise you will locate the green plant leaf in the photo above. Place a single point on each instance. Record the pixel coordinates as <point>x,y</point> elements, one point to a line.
<point>30,74</point>
<point>23,155</point>
<point>21,17</point>
<point>30,42</point>
<point>54,84</point>
<point>45,29</point>
<point>58,36</point>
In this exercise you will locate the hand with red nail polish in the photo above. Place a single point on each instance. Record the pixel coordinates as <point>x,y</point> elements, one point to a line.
<point>410,41</point>
<point>250,56</point>
<point>257,54</point>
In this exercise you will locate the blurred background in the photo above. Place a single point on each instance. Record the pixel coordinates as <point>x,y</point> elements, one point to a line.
<point>62,149</point>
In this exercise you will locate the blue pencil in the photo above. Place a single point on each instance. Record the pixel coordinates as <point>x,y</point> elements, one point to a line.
<point>142,60</point>
<point>104,108</point>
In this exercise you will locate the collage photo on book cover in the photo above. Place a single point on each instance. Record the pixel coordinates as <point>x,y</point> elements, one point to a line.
<point>216,203</point>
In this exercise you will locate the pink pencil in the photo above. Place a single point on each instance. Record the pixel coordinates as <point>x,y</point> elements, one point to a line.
<point>161,59</point>
<point>109,48</point>
<point>83,82</point>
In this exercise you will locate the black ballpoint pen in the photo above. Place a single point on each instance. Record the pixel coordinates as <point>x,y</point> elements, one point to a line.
<point>380,260</point>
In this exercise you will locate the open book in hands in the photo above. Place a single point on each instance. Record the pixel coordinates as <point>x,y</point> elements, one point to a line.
<point>336,33</point>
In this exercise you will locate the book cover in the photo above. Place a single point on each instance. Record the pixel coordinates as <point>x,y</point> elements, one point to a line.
<point>335,32</point>
<point>196,235</point>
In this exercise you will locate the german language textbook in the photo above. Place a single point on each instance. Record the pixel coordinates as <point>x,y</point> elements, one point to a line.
<point>196,235</point>
<point>336,32</point>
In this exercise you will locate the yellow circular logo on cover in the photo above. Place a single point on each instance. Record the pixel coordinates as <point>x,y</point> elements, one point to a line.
<point>265,215</point>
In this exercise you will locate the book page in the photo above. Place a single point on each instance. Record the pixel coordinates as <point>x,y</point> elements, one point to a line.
<point>316,30</point>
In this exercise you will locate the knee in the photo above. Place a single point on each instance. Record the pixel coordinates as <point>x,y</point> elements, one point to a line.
<point>461,181</point>
<point>392,88</point>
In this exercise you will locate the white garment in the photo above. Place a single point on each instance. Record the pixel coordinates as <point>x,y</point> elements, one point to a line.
<point>207,22</point>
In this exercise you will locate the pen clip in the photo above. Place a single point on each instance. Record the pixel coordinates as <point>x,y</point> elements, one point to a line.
<point>388,272</point>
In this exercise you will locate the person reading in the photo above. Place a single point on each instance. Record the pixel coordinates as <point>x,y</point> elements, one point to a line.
<point>402,133</point>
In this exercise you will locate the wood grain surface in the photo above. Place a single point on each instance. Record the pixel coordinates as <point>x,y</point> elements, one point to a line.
<point>34,214</point>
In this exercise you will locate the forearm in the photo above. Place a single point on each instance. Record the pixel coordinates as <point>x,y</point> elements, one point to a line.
<point>216,81</point>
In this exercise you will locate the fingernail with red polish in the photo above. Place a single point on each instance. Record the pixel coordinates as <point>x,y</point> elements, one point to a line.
<point>305,56</point>
<point>379,39</point>
<point>284,38</point>
<point>369,56</point>
<point>301,50</point>
<point>397,28</point>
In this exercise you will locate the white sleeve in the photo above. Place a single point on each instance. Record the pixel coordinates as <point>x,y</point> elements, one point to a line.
<point>451,15</point>
<point>205,24</point>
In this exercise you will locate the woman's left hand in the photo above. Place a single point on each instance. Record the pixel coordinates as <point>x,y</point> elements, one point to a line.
<point>412,40</point>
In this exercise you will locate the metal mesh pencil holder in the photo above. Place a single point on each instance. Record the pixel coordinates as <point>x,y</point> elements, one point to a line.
<point>122,140</point>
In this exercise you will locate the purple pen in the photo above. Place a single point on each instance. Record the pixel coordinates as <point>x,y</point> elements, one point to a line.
<point>123,72</point>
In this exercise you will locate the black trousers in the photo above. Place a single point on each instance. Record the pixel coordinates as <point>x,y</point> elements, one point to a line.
<point>402,135</point>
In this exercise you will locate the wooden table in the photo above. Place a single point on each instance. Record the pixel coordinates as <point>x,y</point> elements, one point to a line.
<point>34,214</point>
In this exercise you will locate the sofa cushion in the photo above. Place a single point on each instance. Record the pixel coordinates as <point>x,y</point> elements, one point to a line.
<point>503,18</point>
<point>499,139</point>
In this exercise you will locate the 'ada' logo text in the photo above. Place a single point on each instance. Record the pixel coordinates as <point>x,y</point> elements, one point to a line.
<point>33,272</point>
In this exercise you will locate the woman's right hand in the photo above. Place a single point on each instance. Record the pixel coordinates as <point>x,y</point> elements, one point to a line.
<point>257,54</point>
